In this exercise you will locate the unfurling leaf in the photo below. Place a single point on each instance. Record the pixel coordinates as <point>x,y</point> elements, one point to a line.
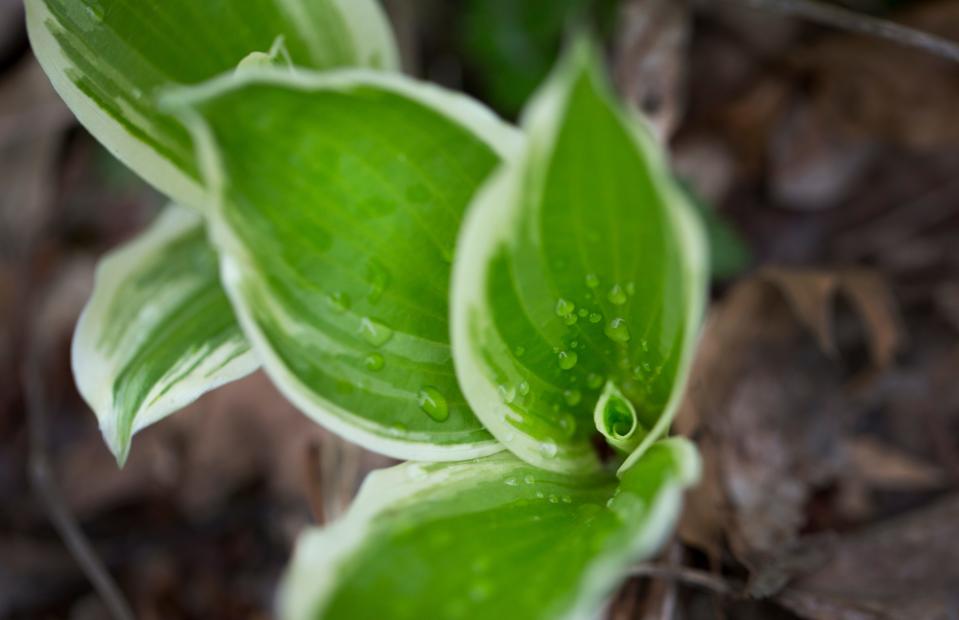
<point>489,539</point>
<point>337,201</point>
<point>107,59</point>
<point>158,331</point>
<point>580,266</point>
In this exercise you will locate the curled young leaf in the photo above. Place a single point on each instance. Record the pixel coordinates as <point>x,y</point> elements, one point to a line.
<point>337,200</point>
<point>107,58</point>
<point>579,266</point>
<point>489,539</point>
<point>158,331</point>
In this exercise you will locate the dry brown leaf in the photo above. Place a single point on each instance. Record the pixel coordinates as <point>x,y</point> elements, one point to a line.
<point>767,407</point>
<point>879,465</point>
<point>650,66</point>
<point>904,568</point>
<point>812,295</point>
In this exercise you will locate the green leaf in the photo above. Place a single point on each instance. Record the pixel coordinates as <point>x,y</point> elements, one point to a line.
<point>494,538</point>
<point>338,201</point>
<point>580,264</point>
<point>107,58</point>
<point>158,331</point>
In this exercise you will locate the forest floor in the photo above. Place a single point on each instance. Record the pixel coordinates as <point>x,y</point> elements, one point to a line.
<point>825,397</point>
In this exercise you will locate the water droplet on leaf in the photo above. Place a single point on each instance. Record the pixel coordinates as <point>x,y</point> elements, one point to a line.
<point>374,362</point>
<point>567,359</point>
<point>433,403</point>
<point>374,333</point>
<point>617,330</point>
<point>592,281</point>
<point>617,295</point>
<point>339,301</point>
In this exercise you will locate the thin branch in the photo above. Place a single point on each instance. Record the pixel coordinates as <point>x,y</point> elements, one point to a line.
<point>686,576</point>
<point>45,486</point>
<point>845,19</point>
<point>313,466</point>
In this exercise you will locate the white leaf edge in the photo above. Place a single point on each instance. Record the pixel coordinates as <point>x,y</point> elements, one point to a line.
<point>95,373</point>
<point>319,554</point>
<point>368,25</point>
<point>491,221</point>
<point>234,260</point>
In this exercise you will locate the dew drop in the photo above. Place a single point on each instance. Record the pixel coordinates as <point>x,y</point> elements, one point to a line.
<point>374,362</point>
<point>572,397</point>
<point>583,313</point>
<point>568,423</point>
<point>553,499</point>
<point>594,381</point>
<point>549,448</point>
<point>570,319</point>
<point>645,345</point>
<point>564,308</point>
<point>433,403</point>
<point>592,281</point>
<point>519,351</point>
<point>617,295</point>
<point>567,359</point>
<point>512,482</point>
<point>567,499</point>
<point>339,301</point>
<point>523,388</point>
<point>529,479</point>
<point>595,317</point>
<point>630,289</point>
<point>378,278</point>
<point>507,393</point>
<point>374,333</point>
<point>617,330</point>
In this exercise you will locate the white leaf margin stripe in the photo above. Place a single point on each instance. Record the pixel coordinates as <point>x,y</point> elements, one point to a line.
<point>135,154</point>
<point>489,221</point>
<point>502,138</point>
<point>311,576</point>
<point>95,372</point>
<point>368,25</point>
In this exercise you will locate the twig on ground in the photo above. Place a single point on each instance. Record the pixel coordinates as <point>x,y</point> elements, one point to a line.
<point>687,576</point>
<point>313,464</point>
<point>45,486</point>
<point>845,19</point>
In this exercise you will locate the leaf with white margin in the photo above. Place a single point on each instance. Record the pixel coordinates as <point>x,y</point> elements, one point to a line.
<point>580,264</point>
<point>494,538</point>
<point>337,198</point>
<point>107,59</point>
<point>158,331</point>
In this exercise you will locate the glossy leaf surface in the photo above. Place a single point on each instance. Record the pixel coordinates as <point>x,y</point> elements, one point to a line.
<point>108,59</point>
<point>494,538</point>
<point>580,264</point>
<point>339,197</point>
<point>158,331</point>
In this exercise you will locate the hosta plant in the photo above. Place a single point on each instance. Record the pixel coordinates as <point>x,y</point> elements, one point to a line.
<point>512,309</point>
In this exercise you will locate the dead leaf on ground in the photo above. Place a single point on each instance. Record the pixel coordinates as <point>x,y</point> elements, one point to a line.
<point>769,408</point>
<point>650,66</point>
<point>905,568</point>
